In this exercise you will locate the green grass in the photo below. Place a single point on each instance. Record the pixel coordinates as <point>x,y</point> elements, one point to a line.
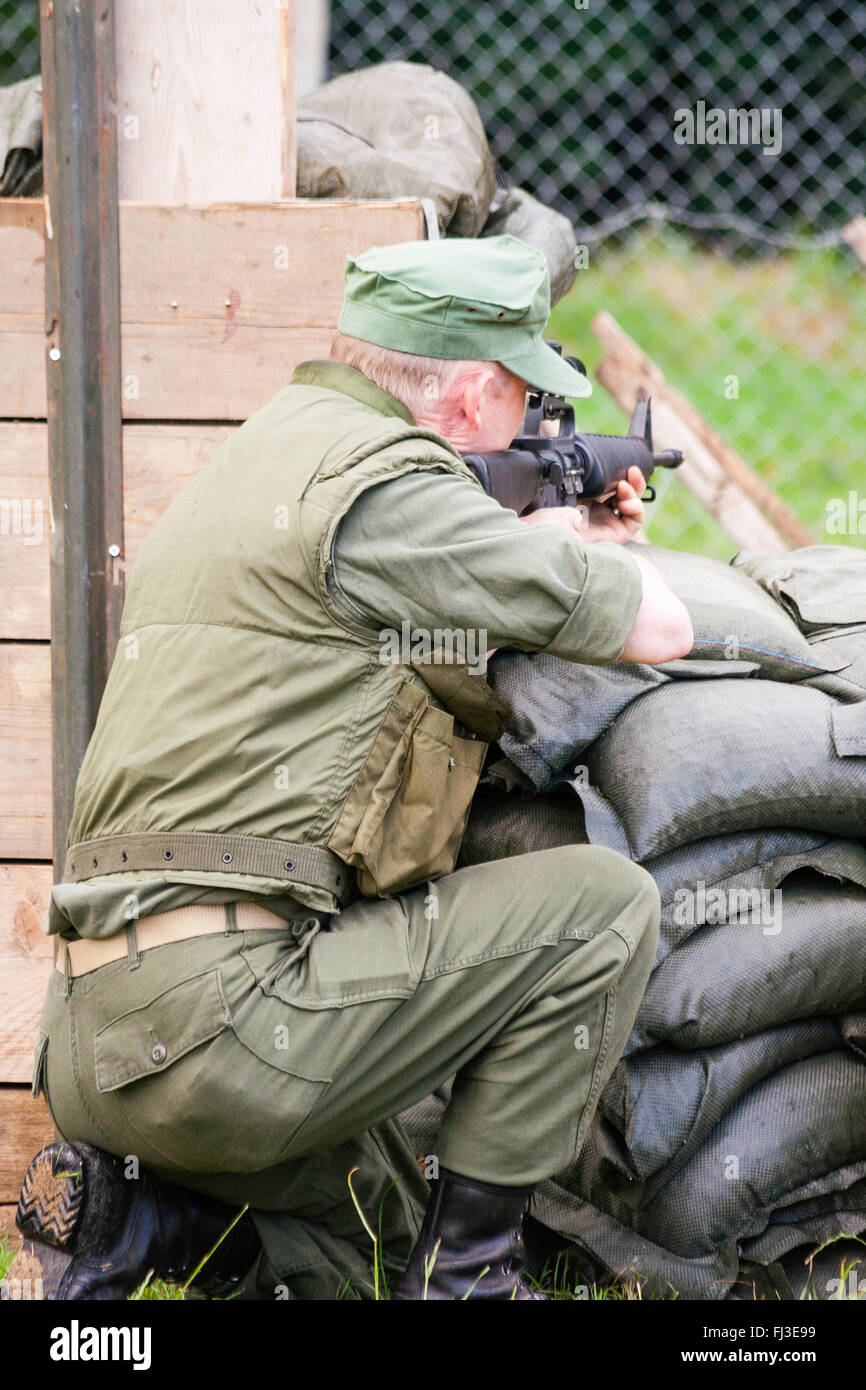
<point>158,1291</point>
<point>792,329</point>
<point>558,1281</point>
<point>7,1254</point>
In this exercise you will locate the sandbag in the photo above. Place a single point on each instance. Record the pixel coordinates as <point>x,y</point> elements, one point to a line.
<point>734,618</point>
<point>694,759</point>
<point>624,1252</point>
<point>847,646</point>
<point>665,1103</point>
<point>397,130</point>
<point>514,212</point>
<point>820,586</point>
<point>502,824</point>
<point>735,858</point>
<point>21,138</point>
<point>560,707</point>
<point>755,1166</point>
<point>802,955</point>
<point>401,130</point>
<point>694,1234</point>
<point>21,117</point>
<point>714,880</point>
<point>732,1131</point>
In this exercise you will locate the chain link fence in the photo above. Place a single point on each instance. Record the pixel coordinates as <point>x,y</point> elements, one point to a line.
<point>19,40</point>
<point>709,158</point>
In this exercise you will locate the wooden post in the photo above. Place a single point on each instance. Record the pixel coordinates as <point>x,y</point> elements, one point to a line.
<point>82,327</point>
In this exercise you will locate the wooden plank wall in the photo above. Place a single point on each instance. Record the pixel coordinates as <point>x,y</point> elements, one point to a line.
<point>219,304</point>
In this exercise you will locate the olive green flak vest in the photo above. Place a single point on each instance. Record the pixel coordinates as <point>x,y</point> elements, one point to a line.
<point>251,736</point>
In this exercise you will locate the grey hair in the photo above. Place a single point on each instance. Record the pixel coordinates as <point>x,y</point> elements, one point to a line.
<point>419,382</point>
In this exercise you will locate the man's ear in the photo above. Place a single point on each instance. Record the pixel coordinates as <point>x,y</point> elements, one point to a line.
<point>472,394</point>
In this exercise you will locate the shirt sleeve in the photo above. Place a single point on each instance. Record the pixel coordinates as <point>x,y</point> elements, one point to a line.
<point>433,549</point>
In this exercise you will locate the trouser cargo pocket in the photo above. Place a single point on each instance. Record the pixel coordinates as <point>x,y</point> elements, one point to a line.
<point>196,1094</point>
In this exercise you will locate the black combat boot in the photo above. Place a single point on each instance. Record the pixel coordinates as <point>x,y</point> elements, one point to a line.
<point>479,1230</point>
<point>92,1233</point>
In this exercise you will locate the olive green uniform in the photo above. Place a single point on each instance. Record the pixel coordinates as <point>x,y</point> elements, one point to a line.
<point>249,698</point>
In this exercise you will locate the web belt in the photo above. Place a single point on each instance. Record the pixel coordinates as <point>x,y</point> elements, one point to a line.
<point>199,852</point>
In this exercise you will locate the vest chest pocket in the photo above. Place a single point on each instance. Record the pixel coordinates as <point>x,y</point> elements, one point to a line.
<point>404,817</point>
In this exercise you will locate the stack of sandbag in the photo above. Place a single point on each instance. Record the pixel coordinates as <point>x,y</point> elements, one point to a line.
<point>732,1135</point>
<point>405,130</point>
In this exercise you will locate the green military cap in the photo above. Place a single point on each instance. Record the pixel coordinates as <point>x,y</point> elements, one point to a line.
<point>485,299</point>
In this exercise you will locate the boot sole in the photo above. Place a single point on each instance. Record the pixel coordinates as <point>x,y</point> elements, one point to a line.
<point>75,1213</point>
<point>52,1197</point>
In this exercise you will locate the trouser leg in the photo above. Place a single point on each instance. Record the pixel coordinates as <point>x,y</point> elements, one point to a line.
<point>533,972</point>
<point>548,967</point>
<point>519,978</point>
<point>320,1248</point>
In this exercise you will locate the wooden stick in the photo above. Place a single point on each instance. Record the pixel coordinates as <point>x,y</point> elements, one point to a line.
<point>747,509</point>
<point>855,235</point>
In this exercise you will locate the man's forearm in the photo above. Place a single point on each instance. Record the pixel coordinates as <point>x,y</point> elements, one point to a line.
<point>438,553</point>
<point>663,628</point>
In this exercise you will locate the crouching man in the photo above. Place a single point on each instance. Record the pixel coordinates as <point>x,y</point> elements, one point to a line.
<point>264,952</point>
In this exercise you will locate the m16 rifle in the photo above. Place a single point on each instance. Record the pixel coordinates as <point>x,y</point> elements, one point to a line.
<point>550,464</point>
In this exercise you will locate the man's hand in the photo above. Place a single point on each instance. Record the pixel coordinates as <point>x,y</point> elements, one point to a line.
<point>617,519</point>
